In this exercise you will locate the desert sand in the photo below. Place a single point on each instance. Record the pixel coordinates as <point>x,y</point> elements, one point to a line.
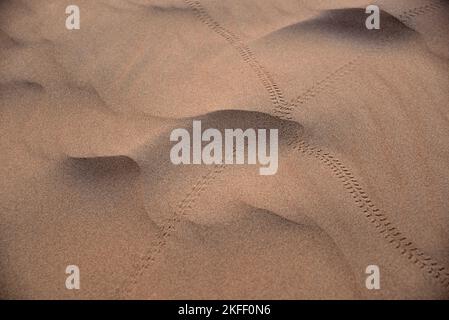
<point>86,178</point>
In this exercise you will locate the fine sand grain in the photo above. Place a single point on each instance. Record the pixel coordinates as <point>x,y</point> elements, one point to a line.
<point>86,177</point>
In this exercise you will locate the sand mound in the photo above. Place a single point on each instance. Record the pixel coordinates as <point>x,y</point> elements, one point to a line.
<point>349,24</point>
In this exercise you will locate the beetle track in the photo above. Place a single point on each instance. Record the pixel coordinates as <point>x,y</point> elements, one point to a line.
<point>408,15</point>
<point>168,228</point>
<point>371,212</point>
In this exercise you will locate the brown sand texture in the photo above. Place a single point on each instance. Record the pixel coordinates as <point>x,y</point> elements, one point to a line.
<point>86,178</point>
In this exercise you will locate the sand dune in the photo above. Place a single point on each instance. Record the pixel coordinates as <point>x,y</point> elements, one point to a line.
<point>363,175</point>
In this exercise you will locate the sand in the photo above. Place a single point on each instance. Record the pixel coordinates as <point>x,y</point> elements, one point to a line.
<point>86,177</point>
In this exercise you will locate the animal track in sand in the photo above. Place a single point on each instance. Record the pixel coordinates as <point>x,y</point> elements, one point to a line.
<point>407,16</point>
<point>283,110</point>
